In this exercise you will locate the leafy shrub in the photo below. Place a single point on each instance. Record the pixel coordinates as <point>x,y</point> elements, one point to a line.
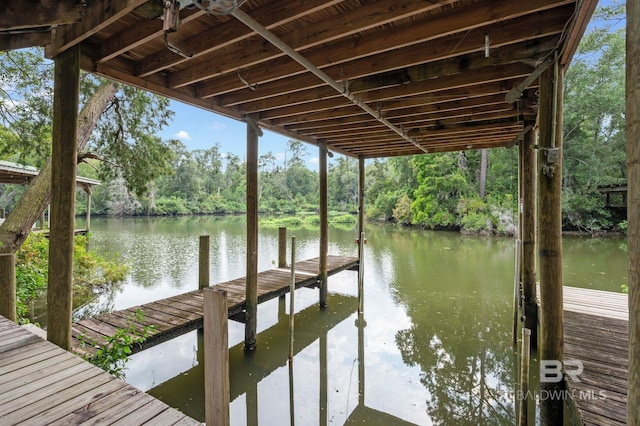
<point>91,273</point>
<point>113,354</point>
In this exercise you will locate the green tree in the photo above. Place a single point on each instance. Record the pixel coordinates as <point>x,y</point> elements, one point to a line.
<point>441,182</point>
<point>594,127</point>
<point>115,122</point>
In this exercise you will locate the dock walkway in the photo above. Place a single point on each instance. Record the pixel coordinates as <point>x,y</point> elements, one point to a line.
<point>596,332</point>
<point>43,384</point>
<point>180,314</point>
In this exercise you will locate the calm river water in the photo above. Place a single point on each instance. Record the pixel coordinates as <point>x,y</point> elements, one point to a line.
<point>434,347</point>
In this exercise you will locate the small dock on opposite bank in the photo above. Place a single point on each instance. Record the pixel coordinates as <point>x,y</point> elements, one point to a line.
<point>180,314</point>
<point>43,384</point>
<point>596,333</point>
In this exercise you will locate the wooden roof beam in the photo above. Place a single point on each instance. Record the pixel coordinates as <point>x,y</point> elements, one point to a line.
<point>9,41</point>
<point>438,67</point>
<point>477,90</point>
<point>99,14</point>
<point>137,35</point>
<point>305,37</point>
<point>232,32</point>
<point>299,101</point>
<point>338,59</point>
<point>21,14</point>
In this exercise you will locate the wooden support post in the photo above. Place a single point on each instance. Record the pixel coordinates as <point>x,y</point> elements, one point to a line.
<point>524,377</point>
<point>63,189</point>
<point>292,293</point>
<point>42,221</point>
<point>528,227</point>
<point>8,286</point>
<point>550,238</point>
<point>203,261</point>
<point>216,357</point>
<point>633,207</point>
<point>3,213</point>
<point>282,247</point>
<point>361,237</point>
<point>361,274</point>
<point>252,237</point>
<point>360,199</point>
<point>324,226</point>
<point>88,215</point>
<point>516,289</point>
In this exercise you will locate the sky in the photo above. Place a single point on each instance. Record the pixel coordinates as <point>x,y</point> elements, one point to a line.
<point>200,129</point>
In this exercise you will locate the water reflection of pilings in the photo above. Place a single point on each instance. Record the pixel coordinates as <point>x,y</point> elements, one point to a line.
<point>248,369</point>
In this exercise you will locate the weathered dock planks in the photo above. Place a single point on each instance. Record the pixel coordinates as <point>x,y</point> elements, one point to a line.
<point>596,333</point>
<point>43,384</point>
<point>180,314</point>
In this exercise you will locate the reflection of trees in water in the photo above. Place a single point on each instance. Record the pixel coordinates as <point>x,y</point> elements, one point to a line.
<point>97,305</point>
<point>466,361</point>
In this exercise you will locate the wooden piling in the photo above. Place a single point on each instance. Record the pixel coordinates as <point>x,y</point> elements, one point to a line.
<point>88,215</point>
<point>550,237</point>
<point>524,377</point>
<point>203,261</point>
<point>528,226</point>
<point>8,286</point>
<point>216,357</point>
<point>361,182</point>
<point>516,290</point>
<point>324,225</point>
<point>282,247</point>
<point>360,198</point>
<point>63,188</point>
<point>292,292</point>
<point>361,274</point>
<point>252,238</point>
<point>633,206</point>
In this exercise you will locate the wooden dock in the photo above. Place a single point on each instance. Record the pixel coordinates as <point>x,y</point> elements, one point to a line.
<point>180,314</point>
<point>43,384</point>
<point>596,331</point>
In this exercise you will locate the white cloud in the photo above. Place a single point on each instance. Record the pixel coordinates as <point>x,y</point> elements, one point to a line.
<point>314,160</point>
<point>217,125</point>
<point>183,135</point>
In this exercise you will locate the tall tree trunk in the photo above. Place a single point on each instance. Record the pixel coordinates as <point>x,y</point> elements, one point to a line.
<point>483,172</point>
<point>30,206</point>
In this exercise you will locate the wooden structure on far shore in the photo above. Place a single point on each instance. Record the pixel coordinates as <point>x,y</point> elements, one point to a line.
<point>21,174</point>
<point>43,384</point>
<point>180,314</point>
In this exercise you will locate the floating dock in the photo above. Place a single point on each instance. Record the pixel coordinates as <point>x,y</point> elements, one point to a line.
<point>180,314</point>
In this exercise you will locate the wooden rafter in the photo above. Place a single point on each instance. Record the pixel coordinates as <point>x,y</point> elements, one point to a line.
<point>416,65</point>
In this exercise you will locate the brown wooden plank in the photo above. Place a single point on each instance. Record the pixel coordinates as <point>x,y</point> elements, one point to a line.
<point>30,392</point>
<point>161,316</point>
<point>36,362</point>
<point>166,418</point>
<point>32,349</point>
<point>143,414</point>
<point>107,407</point>
<point>58,395</point>
<point>146,321</point>
<point>78,402</point>
<point>166,307</point>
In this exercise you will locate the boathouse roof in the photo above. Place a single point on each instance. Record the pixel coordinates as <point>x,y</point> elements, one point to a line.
<point>410,76</point>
